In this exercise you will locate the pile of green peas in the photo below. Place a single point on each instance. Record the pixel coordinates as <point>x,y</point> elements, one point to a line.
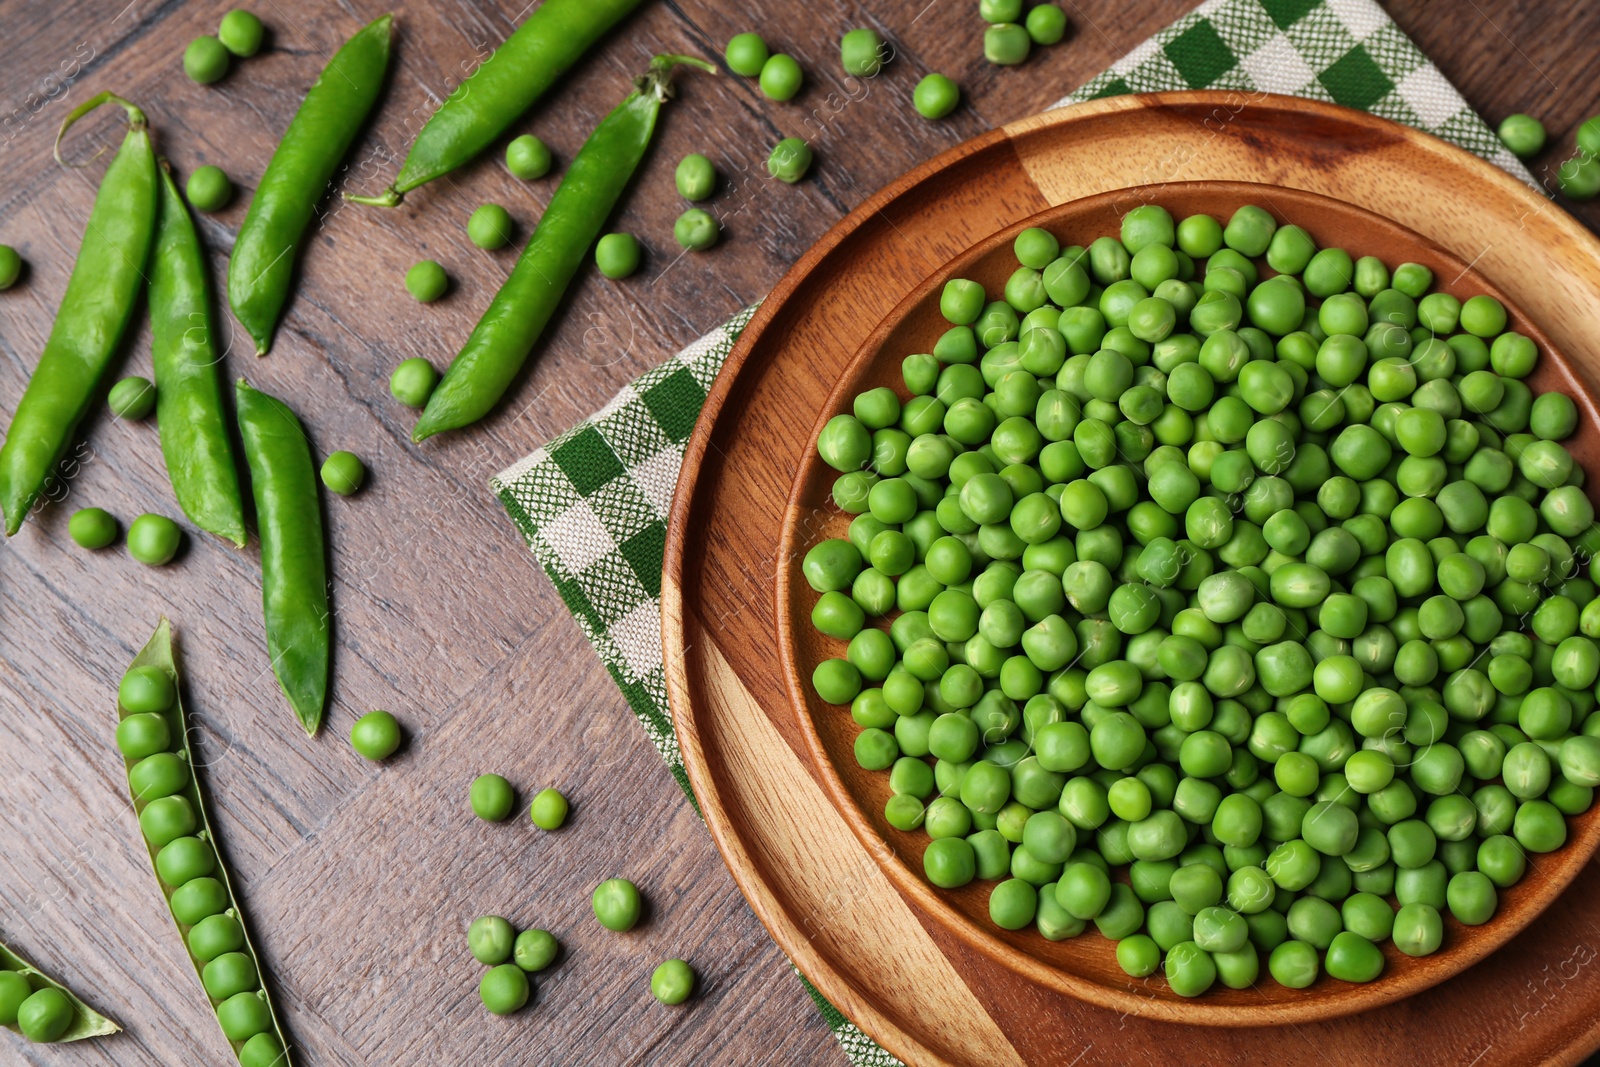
<point>1237,609</point>
<point>1011,36</point>
<point>511,957</point>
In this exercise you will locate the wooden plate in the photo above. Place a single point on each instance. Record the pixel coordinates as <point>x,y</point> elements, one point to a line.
<point>1086,966</point>
<point>897,969</point>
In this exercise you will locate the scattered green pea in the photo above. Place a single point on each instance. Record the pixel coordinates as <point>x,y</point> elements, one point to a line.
<point>790,159</point>
<point>1046,24</point>
<point>548,810</point>
<point>208,189</point>
<point>617,255</point>
<point>491,939</point>
<point>672,982</point>
<point>528,158</point>
<point>375,736</point>
<point>1006,44</point>
<point>492,797</point>
<point>746,54</point>
<point>153,539</point>
<point>535,950</point>
<point>863,52</point>
<point>1579,177</point>
<point>935,96</point>
<point>205,60</point>
<point>696,230</point>
<point>616,904</point>
<point>92,528</point>
<point>781,77</point>
<point>426,281</point>
<point>240,33</point>
<point>504,989</point>
<point>10,266</point>
<point>1523,134</point>
<point>132,398</point>
<point>343,472</point>
<point>412,382</point>
<point>490,227</point>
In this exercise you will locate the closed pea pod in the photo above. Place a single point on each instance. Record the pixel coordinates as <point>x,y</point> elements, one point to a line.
<point>544,47</point>
<point>501,342</point>
<point>95,310</point>
<point>262,266</point>
<point>193,878</point>
<point>189,410</point>
<point>294,568</point>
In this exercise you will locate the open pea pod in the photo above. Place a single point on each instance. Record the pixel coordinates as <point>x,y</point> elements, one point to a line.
<point>153,736</point>
<point>84,1021</point>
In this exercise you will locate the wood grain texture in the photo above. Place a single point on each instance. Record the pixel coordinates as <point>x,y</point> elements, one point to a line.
<point>756,440</point>
<point>440,614</point>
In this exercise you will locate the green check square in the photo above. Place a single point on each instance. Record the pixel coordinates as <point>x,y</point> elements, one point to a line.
<point>1114,87</point>
<point>644,552</point>
<point>1200,55</point>
<point>1354,80</point>
<point>675,402</point>
<point>1285,13</point>
<point>587,460</point>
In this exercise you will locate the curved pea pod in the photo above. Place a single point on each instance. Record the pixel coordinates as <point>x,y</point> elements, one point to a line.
<point>189,410</point>
<point>207,898</point>
<point>544,47</point>
<point>321,132</point>
<point>501,342</point>
<point>86,1022</point>
<point>294,568</point>
<point>94,315</point>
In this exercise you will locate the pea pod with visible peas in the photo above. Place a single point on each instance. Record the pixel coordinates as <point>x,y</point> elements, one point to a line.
<point>99,302</point>
<point>544,47</point>
<point>153,737</point>
<point>503,338</point>
<point>262,267</point>
<point>40,1008</point>
<point>189,411</point>
<point>294,566</point>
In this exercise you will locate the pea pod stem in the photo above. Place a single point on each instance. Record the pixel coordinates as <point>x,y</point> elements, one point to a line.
<point>94,314</point>
<point>189,406</point>
<point>86,1022</point>
<point>549,41</point>
<point>501,342</point>
<point>261,271</point>
<point>294,568</point>
<point>158,652</point>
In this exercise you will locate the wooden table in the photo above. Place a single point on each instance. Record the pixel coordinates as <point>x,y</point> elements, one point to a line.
<point>361,879</point>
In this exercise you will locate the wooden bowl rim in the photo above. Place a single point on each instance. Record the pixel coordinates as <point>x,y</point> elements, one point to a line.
<point>831,976</point>
<point>1327,998</point>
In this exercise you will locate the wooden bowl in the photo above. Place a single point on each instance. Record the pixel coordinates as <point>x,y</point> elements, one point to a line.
<point>1086,966</point>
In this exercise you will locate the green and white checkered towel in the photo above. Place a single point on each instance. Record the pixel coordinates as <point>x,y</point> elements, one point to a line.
<point>593,503</point>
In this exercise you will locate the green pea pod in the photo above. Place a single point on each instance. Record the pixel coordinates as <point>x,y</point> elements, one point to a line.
<point>189,411</point>
<point>544,47</point>
<point>482,371</point>
<point>86,1022</point>
<point>262,267</point>
<point>165,775</point>
<point>294,568</point>
<point>99,302</point>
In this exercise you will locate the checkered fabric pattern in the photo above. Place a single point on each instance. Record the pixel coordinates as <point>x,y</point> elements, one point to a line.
<point>592,504</point>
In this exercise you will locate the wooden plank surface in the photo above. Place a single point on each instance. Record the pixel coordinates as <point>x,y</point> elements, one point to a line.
<point>361,879</point>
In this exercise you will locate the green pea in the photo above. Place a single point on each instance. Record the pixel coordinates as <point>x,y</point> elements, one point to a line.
<point>208,189</point>
<point>132,398</point>
<point>45,1015</point>
<point>375,736</point>
<point>205,60</point>
<point>490,227</point>
<point>241,33</point>
<point>230,974</point>
<point>412,382</point>
<point>153,539</point>
<point>780,77</point>
<point>504,989</point>
<point>492,797</point>
<point>528,158</point>
<point>672,982</point>
<point>790,160</point>
<point>935,96</point>
<point>490,939</point>
<point>534,950</point>
<point>746,53</point>
<point>343,472</point>
<point>617,255</point>
<point>199,899</point>
<point>696,230</point>
<point>617,904</point>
